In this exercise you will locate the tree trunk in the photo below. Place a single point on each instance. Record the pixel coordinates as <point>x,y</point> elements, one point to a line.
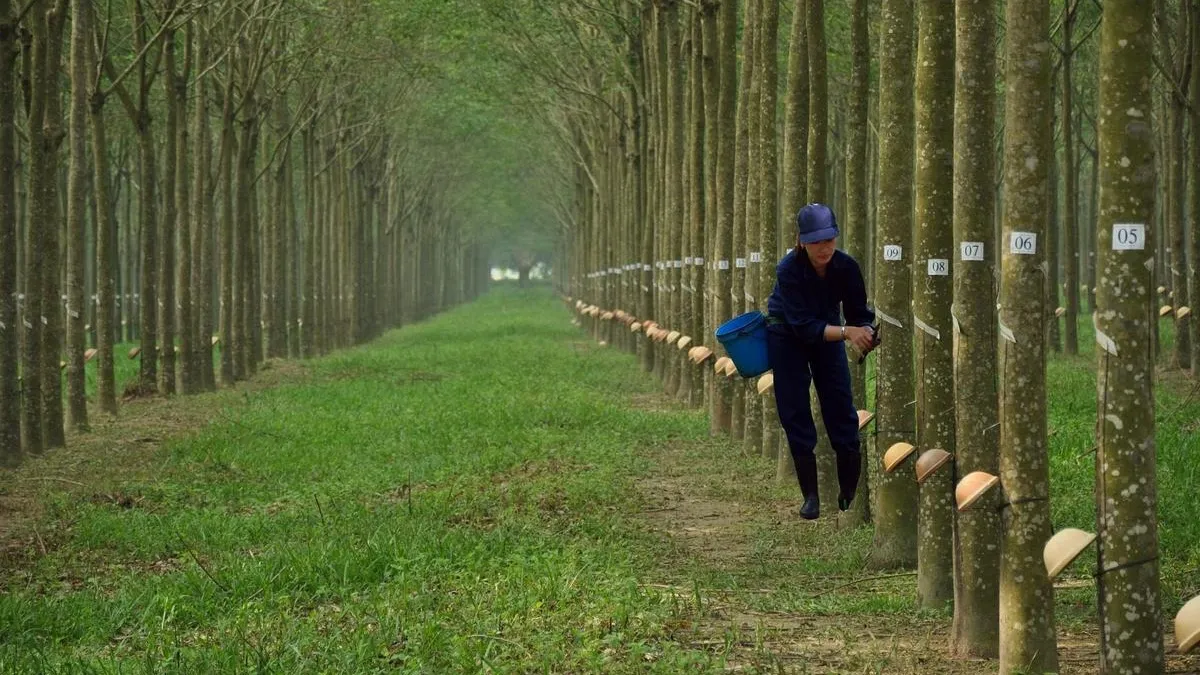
<point>1027,640</point>
<point>896,497</point>
<point>768,191</point>
<point>854,216</point>
<point>229,343</point>
<point>725,42</point>
<point>1070,219</point>
<point>10,354</point>
<point>76,217</point>
<point>818,104</point>
<point>1193,210</point>
<point>1128,585</point>
<point>167,226</point>
<point>932,293</point>
<point>795,125</point>
<point>188,340</point>
<point>977,553</point>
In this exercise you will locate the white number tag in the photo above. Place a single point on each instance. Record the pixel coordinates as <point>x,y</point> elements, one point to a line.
<point>687,261</point>
<point>939,267</point>
<point>740,262</point>
<point>698,261</point>
<point>972,251</point>
<point>893,252</point>
<point>723,265</point>
<point>756,257</point>
<point>1022,243</point>
<point>1129,236</point>
<point>677,263</point>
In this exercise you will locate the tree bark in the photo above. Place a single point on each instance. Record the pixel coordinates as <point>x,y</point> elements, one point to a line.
<point>165,316</point>
<point>76,218</point>
<point>1027,639</point>
<point>1127,585</point>
<point>976,628</point>
<point>10,353</point>
<point>896,496</point>
<point>932,293</point>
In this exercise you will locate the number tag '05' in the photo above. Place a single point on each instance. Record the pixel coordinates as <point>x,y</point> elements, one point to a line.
<point>1129,236</point>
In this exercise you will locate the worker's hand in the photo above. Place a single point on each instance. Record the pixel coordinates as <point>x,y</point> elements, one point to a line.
<point>862,337</point>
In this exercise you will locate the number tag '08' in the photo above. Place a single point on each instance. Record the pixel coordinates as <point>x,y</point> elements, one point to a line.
<point>1129,236</point>
<point>1022,243</point>
<point>892,252</point>
<point>939,267</point>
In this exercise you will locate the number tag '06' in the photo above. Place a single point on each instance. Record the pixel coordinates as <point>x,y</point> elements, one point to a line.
<point>1129,236</point>
<point>1022,243</point>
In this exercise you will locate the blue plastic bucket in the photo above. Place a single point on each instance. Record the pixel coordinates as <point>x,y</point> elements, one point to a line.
<point>745,340</point>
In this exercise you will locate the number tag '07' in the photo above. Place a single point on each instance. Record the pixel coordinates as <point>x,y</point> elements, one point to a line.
<point>1022,243</point>
<point>1129,236</point>
<point>972,251</point>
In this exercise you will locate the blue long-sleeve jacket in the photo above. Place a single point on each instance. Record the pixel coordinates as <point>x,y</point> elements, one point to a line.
<point>807,303</point>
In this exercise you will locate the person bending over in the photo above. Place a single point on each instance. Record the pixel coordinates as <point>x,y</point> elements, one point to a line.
<point>804,344</point>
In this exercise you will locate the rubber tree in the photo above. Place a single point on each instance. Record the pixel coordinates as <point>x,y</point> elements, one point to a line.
<point>1193,187</point>
<point>725,43</point>
<point>977,552</point>
<point>932,293</point>
<point>752,251</point>
<point>768,188</point>
<point>1126,488</point>
<point>896,500</point>
<point>77,175</point>
<point>1027,640</point>
<point>1070,165</point>
<point>741,174</point>
<point>10,387</point>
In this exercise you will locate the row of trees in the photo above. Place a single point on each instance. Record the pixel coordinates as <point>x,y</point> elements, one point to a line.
<point>956,181</point>
<point>249,178</point>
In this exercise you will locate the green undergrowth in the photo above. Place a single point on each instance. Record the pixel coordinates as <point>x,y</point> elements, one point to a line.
<point>455,496</point>
<point>468,494</point>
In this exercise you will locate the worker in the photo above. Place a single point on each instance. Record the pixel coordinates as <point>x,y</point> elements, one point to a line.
<point>816,285</point>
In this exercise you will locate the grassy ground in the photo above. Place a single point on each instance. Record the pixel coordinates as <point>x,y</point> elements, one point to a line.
<point>487,490</point>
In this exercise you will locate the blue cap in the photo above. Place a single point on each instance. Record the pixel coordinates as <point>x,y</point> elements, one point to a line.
<point>816,223</point>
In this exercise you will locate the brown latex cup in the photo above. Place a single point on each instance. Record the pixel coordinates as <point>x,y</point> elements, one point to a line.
<point>930,461</point>
<point>972,487</point>
<point>1063,548</point>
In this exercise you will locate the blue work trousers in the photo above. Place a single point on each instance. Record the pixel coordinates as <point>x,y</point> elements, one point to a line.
<point>796,365</point>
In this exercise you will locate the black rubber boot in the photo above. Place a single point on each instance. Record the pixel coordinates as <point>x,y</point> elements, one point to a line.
<point>806,474</point>
<point>849,468</point>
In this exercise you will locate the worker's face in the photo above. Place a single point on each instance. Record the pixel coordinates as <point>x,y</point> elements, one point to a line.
<point>821,252</point>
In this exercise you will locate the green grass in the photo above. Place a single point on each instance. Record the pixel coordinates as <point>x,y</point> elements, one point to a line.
<point>463,495</point>
<point>456,494</point>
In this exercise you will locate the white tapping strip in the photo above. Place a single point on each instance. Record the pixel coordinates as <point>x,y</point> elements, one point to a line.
<point>929,330</point>
<point>1150,264</point>
<point>1106,343</point>
<point>2,326</point>
<point>888,318</point>
<point>45,321</point>
<point>1007,333</point>
<point>954,322</point>
<point>698,262</point>
<point>749,298</point>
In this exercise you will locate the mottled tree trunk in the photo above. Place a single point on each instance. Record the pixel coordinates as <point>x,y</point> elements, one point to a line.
<point>795,125</point>
<point>76,217</point>
<point>752,410</point>
<point>818,104</point>
<point>933,291</point>
<point>896,497</point>
<point>229,343</point>
<point>1070,217</point>
<point>1126,491</point>
<point>725,44</point>
<point>165,316</point>
<point>1193,189</point>
<point>1027,640</point>
<point>741,175</point>
<point>854,216</point>
<point>768,194</point>
<point>10,355</point>
<point>976,628</point>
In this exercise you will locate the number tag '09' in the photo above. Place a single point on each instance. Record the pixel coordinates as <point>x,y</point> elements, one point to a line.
<point>1129,236</point>
<point>1022,243</point>
<point>893,252</point>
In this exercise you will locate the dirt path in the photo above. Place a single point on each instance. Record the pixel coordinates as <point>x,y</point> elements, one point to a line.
<point>776,593</point>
